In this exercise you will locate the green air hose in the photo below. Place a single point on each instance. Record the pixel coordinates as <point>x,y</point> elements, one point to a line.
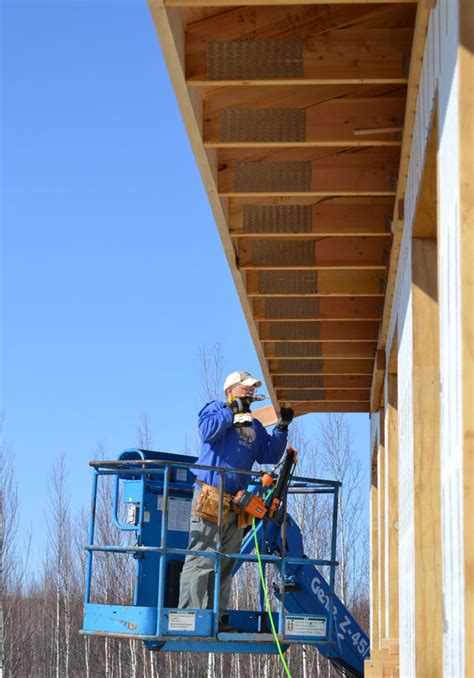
<point>267,601</point>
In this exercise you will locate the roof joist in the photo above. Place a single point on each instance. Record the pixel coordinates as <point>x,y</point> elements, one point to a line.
<point>308,284</point>
<point>335,308</point>
<point>290,383</point>
<point>318,350</point>
<point>246,3</point>
<point>356,253</point>
<point>338,122</point>
<point>316,331</point>
<point>322,395</point>
<point>316,171</point>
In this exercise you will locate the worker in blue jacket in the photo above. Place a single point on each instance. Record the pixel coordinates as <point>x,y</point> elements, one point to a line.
<point>230,438</point>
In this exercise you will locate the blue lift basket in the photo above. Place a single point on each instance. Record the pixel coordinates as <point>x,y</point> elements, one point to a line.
<point>152,502</point>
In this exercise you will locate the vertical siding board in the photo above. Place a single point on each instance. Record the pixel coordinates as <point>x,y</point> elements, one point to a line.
<point>405,469</point>
<point>450,337</point>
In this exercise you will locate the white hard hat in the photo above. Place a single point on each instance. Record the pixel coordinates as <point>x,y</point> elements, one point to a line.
<point>241,377</point>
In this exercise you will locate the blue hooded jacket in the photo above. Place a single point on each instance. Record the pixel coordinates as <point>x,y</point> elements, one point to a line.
<point>222,446</point>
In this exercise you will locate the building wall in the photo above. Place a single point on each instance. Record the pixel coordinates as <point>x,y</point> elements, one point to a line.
<point>438,92</point>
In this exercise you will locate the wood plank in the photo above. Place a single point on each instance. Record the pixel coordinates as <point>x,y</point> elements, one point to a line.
<point>320,350</point>
<point>426,460</point>
<point>374,551</point>
<point>328,171</point>
<point>324,124</point>
<point>392,505</point>
<point>307,310</point>
<point>333,331</point>
<point>466,211</point>
<point>218,99</point>
<point>323,283</point>
<point>231,3</point>
<point>335,56</point>
<point>306,408</point>
<point>209,85</point>
<point>324,395</point>
<point>314,367</point>
<point>381,530</point>
<point>347,382</point>
<point>376,393</point>
<point>425,219</point>
<point>333,217</point>
<point>334,143</point>
<point>265,415</point>
<point>341,253</point>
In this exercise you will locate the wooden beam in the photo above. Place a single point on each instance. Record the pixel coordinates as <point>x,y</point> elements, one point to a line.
<point>466,249</point>
<point>317,331</point>
<point>334,217</point>
<point>327,253</point>
<point>336,56</point>
<point>330,123</point>
<point>218,99</point>
<point>314,367</point>
<point>323,283</point>
<point>319,350</point>
<point>307,408</point>
<point>391,466</point>
<point>231,3</point>
<point>367,131</point>
<point>298,171</point>
<point>425,219</point>
<point>374,551</point>
<point>307,310</point>
<point>265,415</point>
<point>381,526</point>
<point>376,395</point>
<point>427,547</point>
<point>324,395</point>
<point>347,382</point>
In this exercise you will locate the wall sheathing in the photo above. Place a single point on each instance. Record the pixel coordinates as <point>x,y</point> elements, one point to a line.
<point>438,87</point>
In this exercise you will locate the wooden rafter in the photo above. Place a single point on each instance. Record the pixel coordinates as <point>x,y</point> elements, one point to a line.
<point>232,3</point>
<point>322,283</point>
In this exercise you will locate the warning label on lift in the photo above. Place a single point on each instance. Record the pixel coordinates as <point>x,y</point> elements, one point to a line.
<point>179,511</point>
<point>305,626</point>
<point>181,621</point>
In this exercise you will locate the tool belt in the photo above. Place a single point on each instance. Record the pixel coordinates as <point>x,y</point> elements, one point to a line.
<point>206,506</point>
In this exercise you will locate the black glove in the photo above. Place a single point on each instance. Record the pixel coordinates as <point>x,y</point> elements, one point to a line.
<point>286,417</point>
<point>240,405</point>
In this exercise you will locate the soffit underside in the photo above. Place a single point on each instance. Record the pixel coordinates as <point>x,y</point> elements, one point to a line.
<point>301,112</point>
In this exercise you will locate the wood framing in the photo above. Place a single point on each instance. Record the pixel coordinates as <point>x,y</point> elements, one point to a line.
<point>466,132</point>
<point>296,115</point>
<point>426,462</point>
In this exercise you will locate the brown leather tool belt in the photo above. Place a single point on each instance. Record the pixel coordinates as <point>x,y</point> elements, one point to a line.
<point>207,506</point>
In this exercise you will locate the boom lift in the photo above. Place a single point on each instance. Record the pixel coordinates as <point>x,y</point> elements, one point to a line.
<point>152,502</point>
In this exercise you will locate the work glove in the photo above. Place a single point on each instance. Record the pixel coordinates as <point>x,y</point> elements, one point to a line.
<point>286,417</point>
<point>240,405</point>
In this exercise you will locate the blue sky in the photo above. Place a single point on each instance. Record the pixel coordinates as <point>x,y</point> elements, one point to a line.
<point>113,274</point>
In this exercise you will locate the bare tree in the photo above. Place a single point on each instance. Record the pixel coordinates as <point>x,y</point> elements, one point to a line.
<point>14,632</point>
<point>340,461</point>
<point>211,364</point>
<point>144,436</point>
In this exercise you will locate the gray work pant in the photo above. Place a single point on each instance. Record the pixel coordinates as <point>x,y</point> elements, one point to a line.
<point>197,578</point>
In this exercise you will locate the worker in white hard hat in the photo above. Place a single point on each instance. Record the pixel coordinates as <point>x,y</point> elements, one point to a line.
<point>231,438</point>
